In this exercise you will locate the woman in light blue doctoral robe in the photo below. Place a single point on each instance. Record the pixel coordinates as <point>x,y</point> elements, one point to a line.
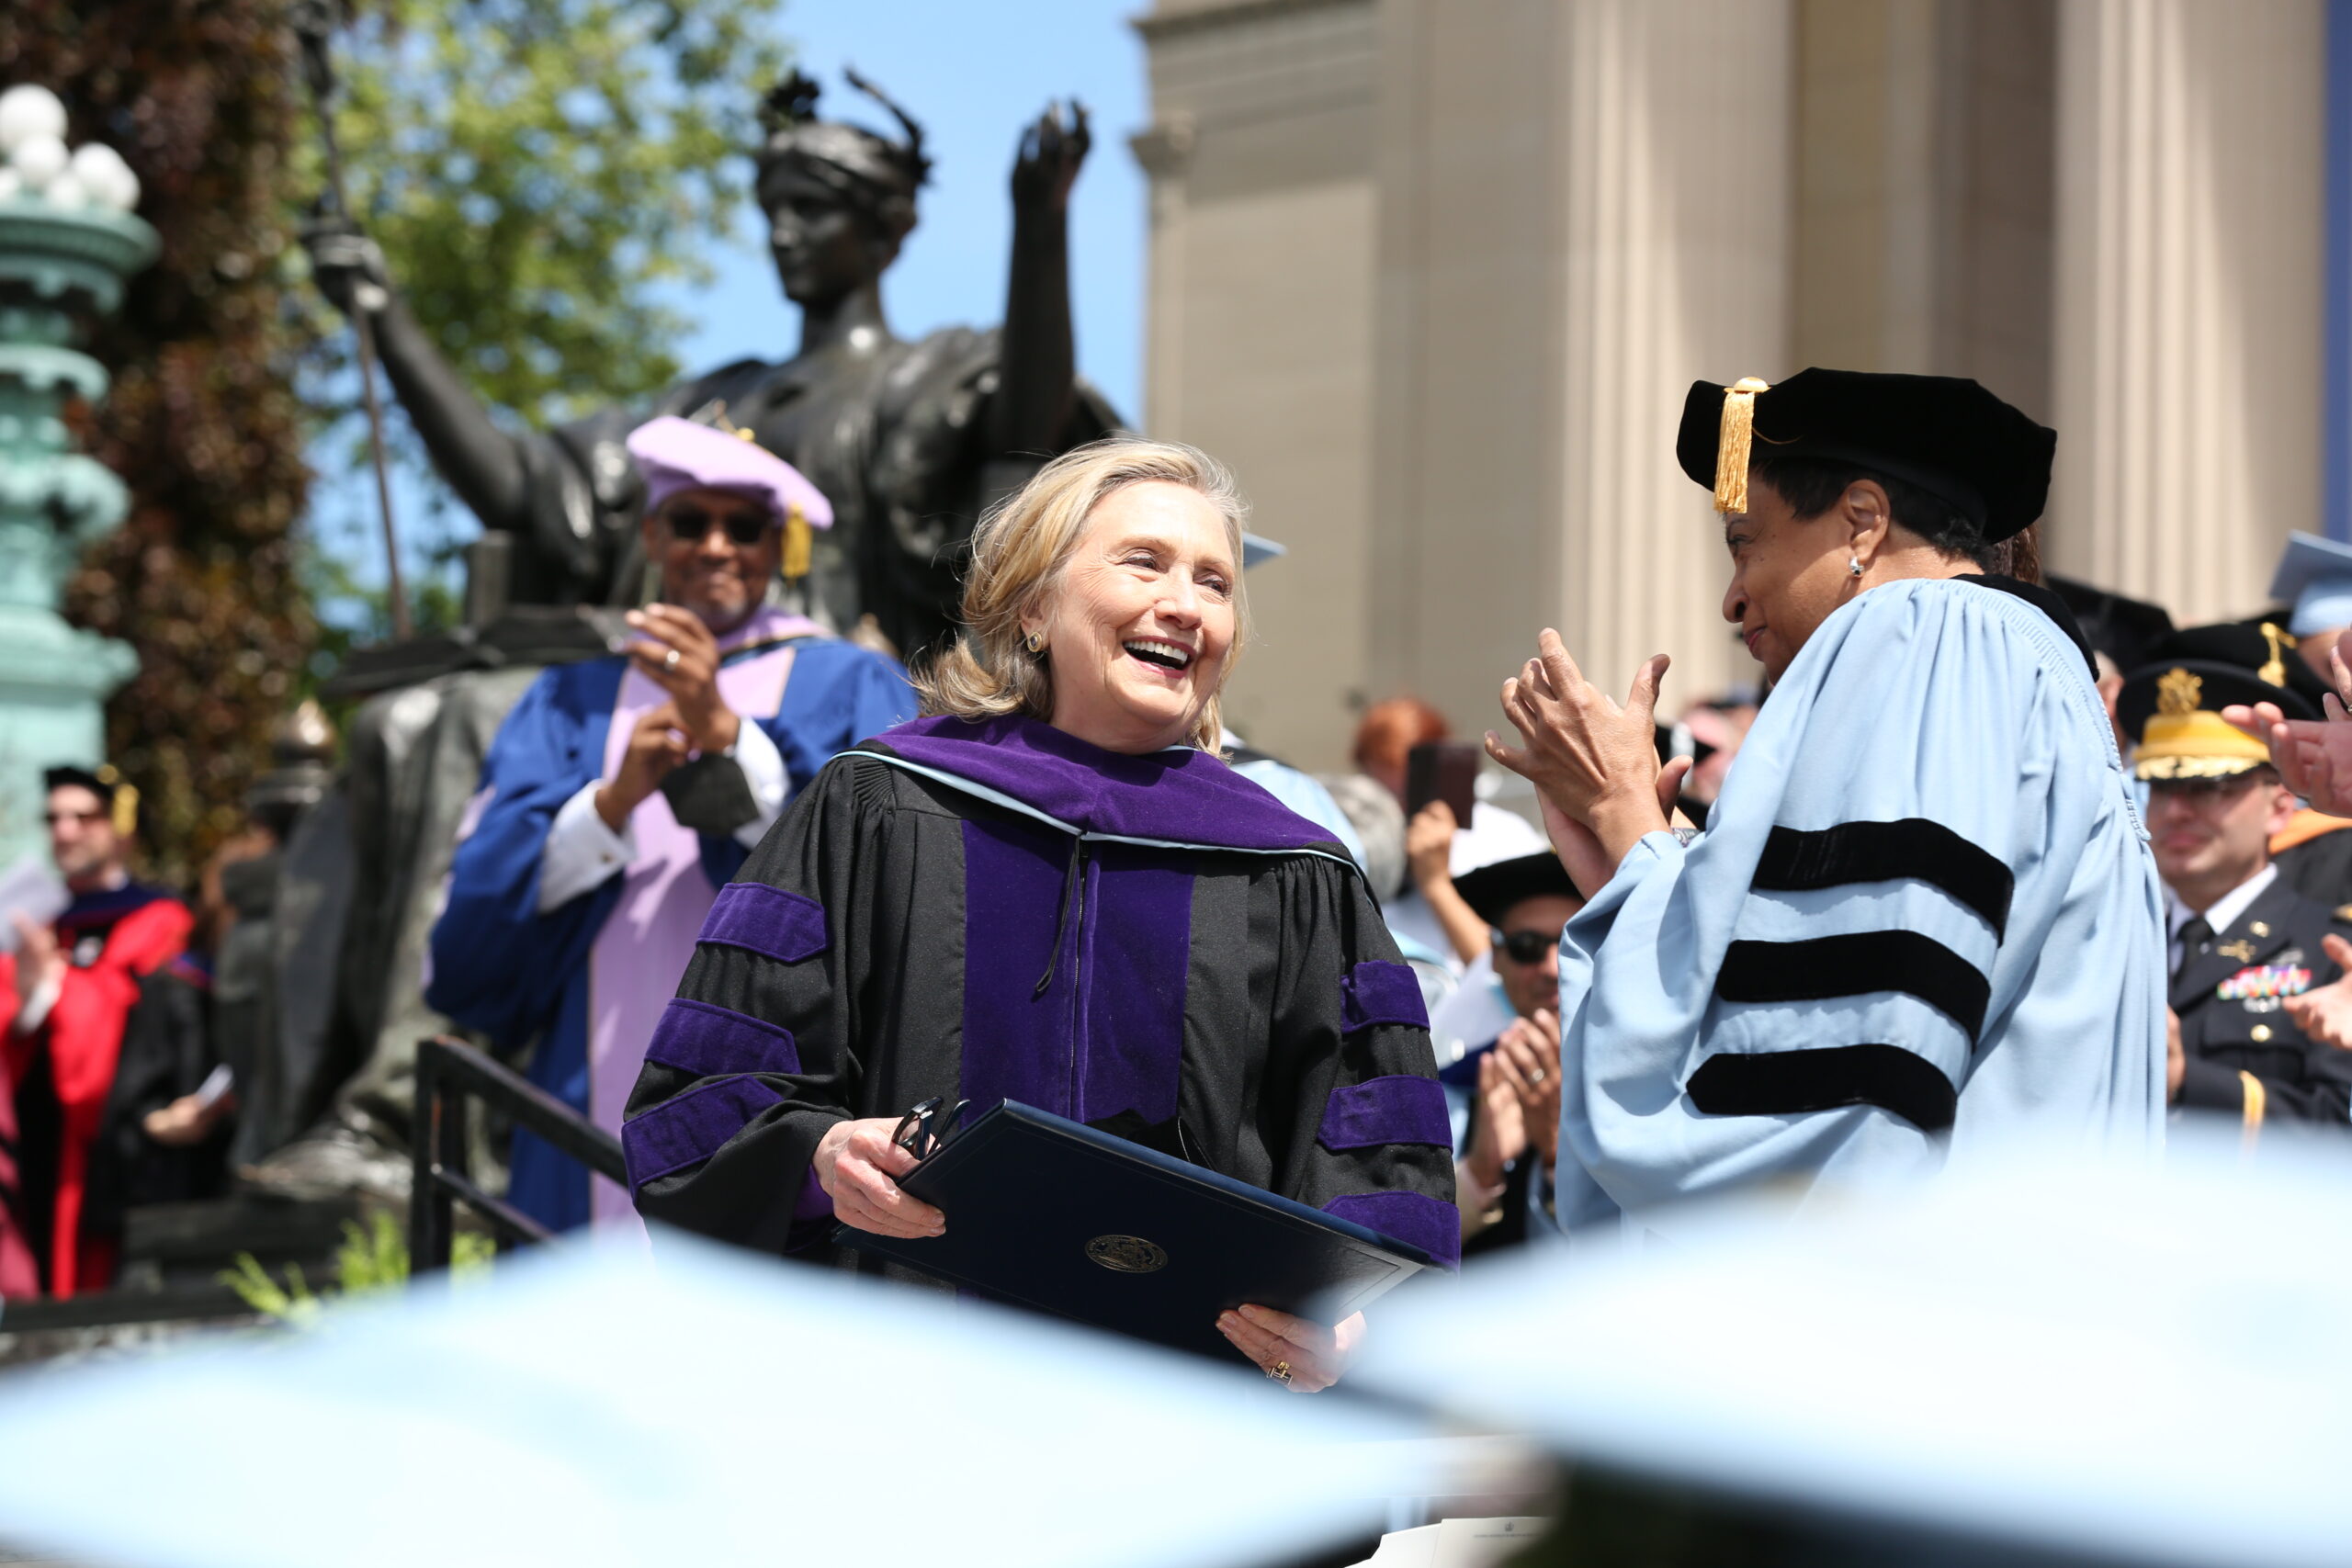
<point>1788,949</point>
<point>1923,922</point>
<point>521,976</point>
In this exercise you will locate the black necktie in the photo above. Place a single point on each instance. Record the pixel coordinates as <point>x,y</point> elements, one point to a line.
<point>2193,939</point>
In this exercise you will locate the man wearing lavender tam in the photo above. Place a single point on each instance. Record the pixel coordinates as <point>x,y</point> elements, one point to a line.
<point>621,792</point>
<point>1052,890</point>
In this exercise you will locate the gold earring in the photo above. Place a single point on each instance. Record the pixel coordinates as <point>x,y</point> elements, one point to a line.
<point>1034,642</point>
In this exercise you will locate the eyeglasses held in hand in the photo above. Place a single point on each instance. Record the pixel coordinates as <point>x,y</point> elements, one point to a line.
<point>925,1130</point>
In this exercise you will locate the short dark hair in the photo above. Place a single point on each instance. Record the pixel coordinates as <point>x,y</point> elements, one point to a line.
<point>1811,485</point>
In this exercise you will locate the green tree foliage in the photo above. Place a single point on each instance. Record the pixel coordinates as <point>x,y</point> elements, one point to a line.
<point>203,422</point>
<point>535,172</point>
<point>534,169</point>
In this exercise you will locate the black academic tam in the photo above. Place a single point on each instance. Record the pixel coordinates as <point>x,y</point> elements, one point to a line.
<point>1943,433</point>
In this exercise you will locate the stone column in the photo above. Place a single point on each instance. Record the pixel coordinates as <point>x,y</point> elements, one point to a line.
<point>1263,213</point>
<point>1923,202</point>
<point>1583,208</point>
<point>2191,230</point>
<point>1675,154</point>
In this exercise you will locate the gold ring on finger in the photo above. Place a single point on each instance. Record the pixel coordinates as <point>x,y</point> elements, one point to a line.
<point>1280,1373</point>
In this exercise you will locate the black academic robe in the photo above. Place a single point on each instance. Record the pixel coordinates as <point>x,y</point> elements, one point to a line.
<point>1152,945</point>
<point>168,1049</point>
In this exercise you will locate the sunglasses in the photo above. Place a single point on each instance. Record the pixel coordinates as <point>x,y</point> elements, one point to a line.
<point>690,523</point>
<point>1527,947</point>
<point>2203,792</point>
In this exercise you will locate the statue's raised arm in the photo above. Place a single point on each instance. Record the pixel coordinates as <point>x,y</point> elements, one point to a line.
<point>1033,401</point>
<point>909,441</point>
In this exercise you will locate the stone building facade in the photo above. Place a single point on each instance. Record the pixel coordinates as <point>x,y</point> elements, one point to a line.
<point>1432,274</point>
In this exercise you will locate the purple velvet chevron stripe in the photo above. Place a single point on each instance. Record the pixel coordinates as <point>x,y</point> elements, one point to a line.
<point>752,915</point>
<point>1399,1109</point>
<point>695,1037</point>
<point>1376,991</point>
<point>1108,1035</point>
<point>677,1132</point>
<point>1178,796</point>
<point>1414,1217</point>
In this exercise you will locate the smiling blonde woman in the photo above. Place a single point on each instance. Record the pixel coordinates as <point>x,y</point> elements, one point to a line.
<point>1049,889</point>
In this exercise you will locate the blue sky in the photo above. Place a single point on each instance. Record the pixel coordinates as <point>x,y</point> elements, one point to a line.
<point>974,72</point>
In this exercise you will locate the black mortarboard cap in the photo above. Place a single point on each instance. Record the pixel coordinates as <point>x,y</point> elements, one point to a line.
<point>1494,887</point>
<point>1942,433</point>
<point>2126,630</point>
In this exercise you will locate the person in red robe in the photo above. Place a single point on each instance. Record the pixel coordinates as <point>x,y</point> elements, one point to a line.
<point>64,994</point>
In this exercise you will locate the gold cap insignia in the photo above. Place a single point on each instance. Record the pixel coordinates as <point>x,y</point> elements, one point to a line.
<point>2179,692</point>
<point>2273,668</point>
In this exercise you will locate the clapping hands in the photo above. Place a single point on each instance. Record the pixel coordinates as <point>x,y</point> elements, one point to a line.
<point>1592,761</point>
<point>2314,759</point>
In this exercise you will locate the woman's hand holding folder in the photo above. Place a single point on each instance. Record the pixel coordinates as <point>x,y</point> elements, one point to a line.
<point>857,1163</point>
<point>1312,1355</point>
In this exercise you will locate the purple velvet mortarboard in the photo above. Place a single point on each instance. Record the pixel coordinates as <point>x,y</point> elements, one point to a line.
<point>676,454</point>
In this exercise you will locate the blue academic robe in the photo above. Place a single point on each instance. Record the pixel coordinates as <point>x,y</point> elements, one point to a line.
<point>501,967</point>
<point>1923,920</point>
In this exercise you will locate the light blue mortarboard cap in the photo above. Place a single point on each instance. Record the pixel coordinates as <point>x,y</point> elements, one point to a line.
<point>2315,576</point>
<point>590,1408</point>
<point>2135,1362</point>
<point>1255,549</point>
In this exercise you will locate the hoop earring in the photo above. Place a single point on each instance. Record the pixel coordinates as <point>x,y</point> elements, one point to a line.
<point>1854,565</point>
<point>1034,642</point>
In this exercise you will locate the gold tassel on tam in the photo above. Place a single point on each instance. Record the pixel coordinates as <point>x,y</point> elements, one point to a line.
<point>126,800</point>
<point>1737,433</point>
<point>799,544</point>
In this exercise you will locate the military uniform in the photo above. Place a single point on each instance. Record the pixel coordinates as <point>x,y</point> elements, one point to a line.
<point>2246,1056</point>
<point>2315,854</point>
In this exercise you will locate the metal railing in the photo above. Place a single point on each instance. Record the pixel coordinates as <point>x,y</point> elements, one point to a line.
<point>449,1073</point>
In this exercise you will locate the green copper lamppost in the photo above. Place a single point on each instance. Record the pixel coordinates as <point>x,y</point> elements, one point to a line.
<point>67,242</point>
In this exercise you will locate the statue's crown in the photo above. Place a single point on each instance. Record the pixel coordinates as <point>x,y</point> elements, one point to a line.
<point>788,114</point>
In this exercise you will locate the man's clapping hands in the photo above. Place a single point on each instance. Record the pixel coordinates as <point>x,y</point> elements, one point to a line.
<point>2314,759</point>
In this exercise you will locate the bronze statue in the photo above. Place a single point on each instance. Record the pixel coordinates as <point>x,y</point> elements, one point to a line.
<point>909,441</point>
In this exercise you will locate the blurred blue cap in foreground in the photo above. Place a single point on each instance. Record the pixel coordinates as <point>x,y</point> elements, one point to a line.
<point>587,1407</point>
<point>2119,1364</point>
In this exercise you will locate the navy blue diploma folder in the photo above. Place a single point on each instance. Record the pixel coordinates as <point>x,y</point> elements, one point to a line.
<point>1052,1214</point>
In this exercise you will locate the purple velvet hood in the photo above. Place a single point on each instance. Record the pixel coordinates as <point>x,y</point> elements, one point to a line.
<point>1178,797</point>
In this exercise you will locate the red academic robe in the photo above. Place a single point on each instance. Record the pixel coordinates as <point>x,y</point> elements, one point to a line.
<point>112,941</point>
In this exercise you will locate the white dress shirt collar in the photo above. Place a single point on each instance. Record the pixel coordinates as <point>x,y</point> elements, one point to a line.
<point>2226,909</point>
